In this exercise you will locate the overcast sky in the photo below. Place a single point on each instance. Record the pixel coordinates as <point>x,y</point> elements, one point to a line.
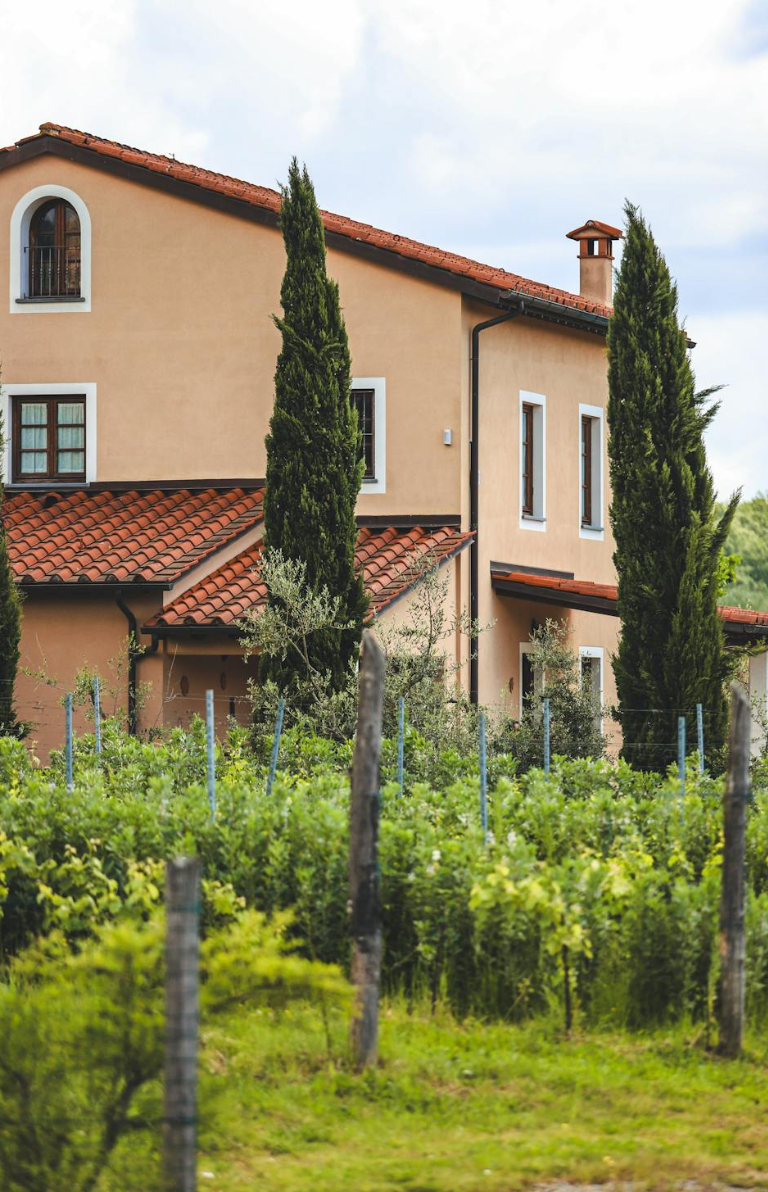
<point>491,128</point>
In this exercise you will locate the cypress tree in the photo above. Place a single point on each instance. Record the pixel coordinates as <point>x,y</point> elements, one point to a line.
<point>10,624</point>
<point>671,653</point>
<point>314,462</point>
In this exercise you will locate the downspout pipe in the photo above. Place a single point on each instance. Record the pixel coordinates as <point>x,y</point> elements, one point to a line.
<point>134,655</point>
<point>474,490</point>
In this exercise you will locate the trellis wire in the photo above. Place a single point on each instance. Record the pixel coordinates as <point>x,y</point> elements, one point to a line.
<point>210,752</point>
<point>400,746</point>
<point>275,745</point>
<point>68,730</point>
<point>483,777</point>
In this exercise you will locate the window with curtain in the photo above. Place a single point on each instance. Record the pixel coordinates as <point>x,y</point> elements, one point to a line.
<point>48,438</point>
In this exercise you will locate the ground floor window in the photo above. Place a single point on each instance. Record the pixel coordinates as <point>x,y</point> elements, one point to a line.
<point>531,680</point>
<point>591,673</point>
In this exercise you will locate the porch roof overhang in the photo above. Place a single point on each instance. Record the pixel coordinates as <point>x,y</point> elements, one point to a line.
<point>561,589</point>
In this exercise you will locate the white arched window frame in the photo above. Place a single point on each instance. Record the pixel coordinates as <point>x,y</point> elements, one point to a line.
<point>21,219</point>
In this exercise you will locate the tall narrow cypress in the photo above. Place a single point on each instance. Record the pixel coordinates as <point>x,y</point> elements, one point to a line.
<point>314,462</point>
<point>671,653</point>
<point>10,624</point>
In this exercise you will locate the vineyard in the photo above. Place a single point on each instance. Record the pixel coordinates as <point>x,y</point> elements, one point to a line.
<point>591,904</point>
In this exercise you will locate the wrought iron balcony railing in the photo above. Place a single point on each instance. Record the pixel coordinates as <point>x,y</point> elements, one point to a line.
<point>52,272</point>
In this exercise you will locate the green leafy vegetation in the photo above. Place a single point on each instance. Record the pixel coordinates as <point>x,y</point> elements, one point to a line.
<point>597,890</point>
<point>82,1035</point>
<point>669,540</point>
<point>598,883</point>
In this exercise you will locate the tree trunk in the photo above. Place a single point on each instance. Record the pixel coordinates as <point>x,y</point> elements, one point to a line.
<point>364,899</point>
<point>732,952</point>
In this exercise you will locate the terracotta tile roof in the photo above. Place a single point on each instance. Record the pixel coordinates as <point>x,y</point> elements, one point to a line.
<point>742,616</point>
<point>389,559</point>
<point>261,196</point>
<point>579,587</point>
<point>82,536</point>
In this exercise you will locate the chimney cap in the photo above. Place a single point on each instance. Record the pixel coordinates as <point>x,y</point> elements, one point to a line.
<point>593,229</point>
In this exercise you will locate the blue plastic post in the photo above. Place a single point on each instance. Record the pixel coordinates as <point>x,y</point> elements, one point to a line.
<point>546,736</point>
<point>400,746</point>
<point>68,709</point>
<point>209,748</point>
<point>97,716</point>
<point>275,745</point>
<point>700,729</point>
<point>483,778</point>
<point>681,753</point>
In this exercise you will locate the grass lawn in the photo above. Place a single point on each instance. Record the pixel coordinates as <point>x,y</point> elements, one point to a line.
<point>463,1108</point>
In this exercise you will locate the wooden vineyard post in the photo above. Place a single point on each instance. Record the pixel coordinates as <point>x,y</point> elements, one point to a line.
<point>364,899</point>
<point>732,951</point>
<point>182,896</point>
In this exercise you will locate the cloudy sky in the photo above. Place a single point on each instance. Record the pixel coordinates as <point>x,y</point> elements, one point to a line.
<point>490,128</point>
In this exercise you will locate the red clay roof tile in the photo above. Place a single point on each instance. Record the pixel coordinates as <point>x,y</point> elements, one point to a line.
<point>113,537</point>
<point>388,557</point>
<point>262,196</point>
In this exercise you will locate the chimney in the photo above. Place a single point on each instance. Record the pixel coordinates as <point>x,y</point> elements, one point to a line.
<point>595,259</point>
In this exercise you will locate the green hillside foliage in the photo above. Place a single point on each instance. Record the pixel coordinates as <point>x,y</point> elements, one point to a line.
<point>748,538</point>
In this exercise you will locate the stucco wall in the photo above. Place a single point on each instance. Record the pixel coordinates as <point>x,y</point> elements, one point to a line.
<point>569,368</point>
<point>182,348</point>
<point>64,632</point>
<point>194,668</point>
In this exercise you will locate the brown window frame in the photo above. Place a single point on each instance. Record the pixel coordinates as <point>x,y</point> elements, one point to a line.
<point>586,470</point>
<point>52,426</point>
<point>367,429</point>
<point>527,458</point>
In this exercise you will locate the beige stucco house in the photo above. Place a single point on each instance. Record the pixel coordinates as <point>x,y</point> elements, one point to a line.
<point>138,356</point>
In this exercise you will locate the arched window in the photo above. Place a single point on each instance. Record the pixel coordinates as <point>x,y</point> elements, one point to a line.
<point>53,267</point>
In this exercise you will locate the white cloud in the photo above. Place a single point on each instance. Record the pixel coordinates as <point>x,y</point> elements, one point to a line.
<point>732,350</point>
<point>492,127</point>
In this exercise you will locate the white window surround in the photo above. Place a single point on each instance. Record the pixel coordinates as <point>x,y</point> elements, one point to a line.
<point>538,519</point>
<point>19,239</point>
<point>758,694</point>
<point>595,652</point>
<point>379,387</point>
<point>597,530</point>
<point>47,389</point>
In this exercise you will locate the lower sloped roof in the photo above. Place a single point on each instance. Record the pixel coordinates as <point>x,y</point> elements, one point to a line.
<point>389,558</point>
<point>87,536</point>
